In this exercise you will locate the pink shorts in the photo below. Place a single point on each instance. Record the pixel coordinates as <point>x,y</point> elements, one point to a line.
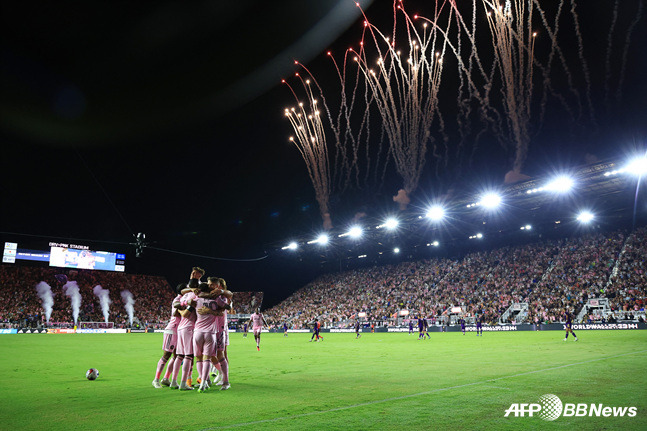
<point>204,344</point>
<point>184,341</point>
<point>170,340</point>
<point>257,330</point>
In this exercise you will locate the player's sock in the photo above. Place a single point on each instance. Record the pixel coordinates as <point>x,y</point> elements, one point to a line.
<point>566,336</point>
<point>574,336</point>
<point>225,371</point>
<point>160,367</point>
<point>186,370</point>
<point>205,371</point>
<point>198,366</point>
<point>169,367</point>
<point>177,365</point>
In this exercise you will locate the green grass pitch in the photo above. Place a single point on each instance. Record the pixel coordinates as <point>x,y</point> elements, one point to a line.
<point>381,381</point>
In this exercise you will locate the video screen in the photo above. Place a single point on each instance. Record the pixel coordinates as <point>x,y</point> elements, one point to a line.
<point>64,257</point>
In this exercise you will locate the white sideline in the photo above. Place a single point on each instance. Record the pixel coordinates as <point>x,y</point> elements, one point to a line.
<point>242,424</point>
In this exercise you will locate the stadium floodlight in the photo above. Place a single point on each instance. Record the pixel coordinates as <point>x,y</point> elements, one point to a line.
<point>637,166</point>
<point>585,217</point>
<point>561,184</point>
<point>490,200</point>
<point>479,235</point>
<point>391,223</point>
<point>321,239</point>
<point>435,243</point>
<point>436,213</point>
<point>355,232</point>
<point>526,227</point>
<point>396,250</point>
<point>292,246</point>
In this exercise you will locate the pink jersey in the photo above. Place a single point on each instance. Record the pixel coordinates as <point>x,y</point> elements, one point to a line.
<point>175,320</point>
<point>187,322</point>
<point>257,320</point>
<point>221,321</point>
<point>206,322</point>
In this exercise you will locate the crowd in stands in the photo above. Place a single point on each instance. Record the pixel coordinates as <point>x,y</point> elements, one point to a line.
<point>550,276</point>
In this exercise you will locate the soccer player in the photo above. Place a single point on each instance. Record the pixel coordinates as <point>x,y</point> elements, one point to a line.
<point>217,290</point>
<point>569,323</point>
<point>421,327</point>
<point>245,330</point>
<point>285,329</point>
<point>168,344</point>
<point>357,333</point>
<point>479,325</point>
<point>257,320</point>
<point>462,322</point>
<point>410,326</point>
<point>184,347</point>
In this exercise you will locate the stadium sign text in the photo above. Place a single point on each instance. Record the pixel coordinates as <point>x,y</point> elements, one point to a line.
<point>550,407</point>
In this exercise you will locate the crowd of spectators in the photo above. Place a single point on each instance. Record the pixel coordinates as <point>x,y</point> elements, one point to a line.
<point>550,276</point>
<point>20,304</point>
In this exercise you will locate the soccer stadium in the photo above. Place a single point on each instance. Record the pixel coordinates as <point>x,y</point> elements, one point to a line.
<point>334,216</point>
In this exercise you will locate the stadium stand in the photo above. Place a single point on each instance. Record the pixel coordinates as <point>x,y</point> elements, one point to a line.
<point>531,283</point>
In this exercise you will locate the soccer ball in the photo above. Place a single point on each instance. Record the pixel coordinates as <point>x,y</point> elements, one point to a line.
<point>92,374</point>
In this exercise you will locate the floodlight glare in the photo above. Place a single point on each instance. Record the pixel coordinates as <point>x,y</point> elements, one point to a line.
<point>561,184</point>
<point>396,250</point>
<point>436,213</point>
<point>435,243</point>
<point>637,166</point>
<point>490,200</point>
<point>322,239</point>
<point>391,223</point>
<point>355,232</point>
<point>479,235</point>
<point>528,227</point>
<point>585,216</point>
<point>292,246</point>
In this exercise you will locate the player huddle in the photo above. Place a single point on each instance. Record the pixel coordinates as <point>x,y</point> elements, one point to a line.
<point>197,335</point>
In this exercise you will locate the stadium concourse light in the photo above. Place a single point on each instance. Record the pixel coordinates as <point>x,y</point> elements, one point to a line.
<point>561,184</point>
<point>436,213</point>
<point>490,200</point>
<point>292,246</point>
<point>585,217</point>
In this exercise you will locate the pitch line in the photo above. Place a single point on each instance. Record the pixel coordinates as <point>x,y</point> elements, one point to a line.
<point>404,397</point>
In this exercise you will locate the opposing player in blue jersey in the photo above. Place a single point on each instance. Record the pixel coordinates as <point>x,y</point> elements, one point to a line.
<point>479,325</point>
<point>568,317</point>
<point>462,322</point>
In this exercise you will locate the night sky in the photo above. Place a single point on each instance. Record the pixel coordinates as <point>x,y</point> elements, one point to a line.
<point>167,118</point>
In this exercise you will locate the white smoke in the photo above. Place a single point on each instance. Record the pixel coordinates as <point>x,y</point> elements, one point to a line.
<point>402,198</point>
<point>45,294</point>
<point>104,300</point>
<point>128,304</point>
<point>71,289</point>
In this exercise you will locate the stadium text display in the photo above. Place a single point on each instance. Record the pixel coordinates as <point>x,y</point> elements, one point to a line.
<point>62,255</point>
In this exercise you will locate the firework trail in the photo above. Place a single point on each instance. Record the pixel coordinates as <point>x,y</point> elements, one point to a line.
<point>45,294</point>
<point>311,142</point>
<point>71,289</point>
<point>405,89</point>
<point>104,300</point>
<point>129,302</point>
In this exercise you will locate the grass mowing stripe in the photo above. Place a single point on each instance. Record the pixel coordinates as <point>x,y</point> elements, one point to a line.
<point>417,394</point>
